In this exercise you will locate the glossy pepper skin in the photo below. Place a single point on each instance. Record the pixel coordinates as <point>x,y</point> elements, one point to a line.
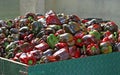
<point>90,22</point>
<point>105,47</point>
<point>107,33</point>
<point>54,27</point>
<point>36,27</point>
<point>23,31</point>
<point>71,27</point>
<point>39,16</point>
<point>27,58</point>
<point>62,53</point>
<point>48,52</point>
<point>74,52</point>
<point>60,31</point>
<point>31,59</point>
<point>53,37</point>
<point>95,33</point>
<point>74,18</point>
<point>110,39</point>
<point>51,18</point>
<point>78,39</point>
<point>88,39</point>
<point>26,47</point>
<point>52,40</point>
<point>42,46</point>
<point>92,49</point>
<point>49,31</point>
<point>66,37</point>
<point>16,57</point>
<point>63,18</point>
<point>111,26</point>
<point>37,54</point>
<point>61,45</point>
<point>84,21</point>
<point>29,37</point>
<point>77,53</point>
<point>94,27</point>
<point>53,58</point>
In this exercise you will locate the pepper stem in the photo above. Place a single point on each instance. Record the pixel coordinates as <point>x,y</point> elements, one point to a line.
<point>79,40</point>
<point>93,48</point>
<point>30,62</point>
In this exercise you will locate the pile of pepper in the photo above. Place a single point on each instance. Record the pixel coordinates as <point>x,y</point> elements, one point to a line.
<point>36,38</point>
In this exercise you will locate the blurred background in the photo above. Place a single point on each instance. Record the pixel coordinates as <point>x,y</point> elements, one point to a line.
<point>9,9</point>
<point>106,9</point>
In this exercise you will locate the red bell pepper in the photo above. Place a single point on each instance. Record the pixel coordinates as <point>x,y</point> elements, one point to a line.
<point>92,49</point>
<point>22,35</point>
<point>20,42</point>
<point>16,57</point>
<point>74,52</point>
<point>26,47</point>
<point>88,39</point>
<point>37,54</point>
<point>111,26</point>
<point>74,18</point>
<point>94,27</point>
<point>78,39</point>
<point>40,16</point>
<point>77,53</point>
<point>109,38</point>
<point>84,21</point>
<point>28,59</point>
<point>62,53</point>
<point>53,58</point>
<point>18,54</point>
<point>107,33</point>
<point>60,31</point>
<point>51,18</point>
<point>36,41</point>
<point>61,45</point>
<point>42,46</point>
<point>29,37</point>
<point>23,58</point>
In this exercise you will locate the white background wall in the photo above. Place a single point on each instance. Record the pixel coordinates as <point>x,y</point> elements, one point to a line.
<point>106,9</point>
<point>32,6</point>
<point>9,9</point>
